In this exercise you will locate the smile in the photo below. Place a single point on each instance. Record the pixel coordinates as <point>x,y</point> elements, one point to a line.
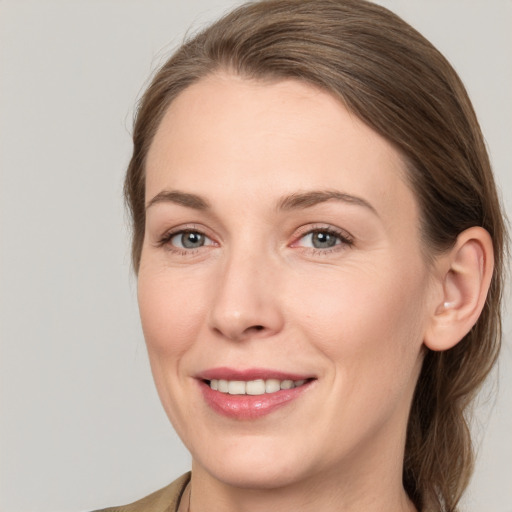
<point>251,394</point>
<point>253,387</point>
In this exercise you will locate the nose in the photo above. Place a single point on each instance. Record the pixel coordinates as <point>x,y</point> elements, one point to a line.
<point>246,299</point>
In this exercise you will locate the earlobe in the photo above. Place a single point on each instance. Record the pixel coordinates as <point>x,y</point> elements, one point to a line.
<point>465,275</point>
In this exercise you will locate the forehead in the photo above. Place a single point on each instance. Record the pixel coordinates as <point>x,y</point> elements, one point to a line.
<point>228,135</point>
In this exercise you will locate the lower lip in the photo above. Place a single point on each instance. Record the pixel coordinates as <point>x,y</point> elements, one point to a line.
<point>248,407</point>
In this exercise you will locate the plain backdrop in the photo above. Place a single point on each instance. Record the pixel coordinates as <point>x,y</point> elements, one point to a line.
<point>80,422</point>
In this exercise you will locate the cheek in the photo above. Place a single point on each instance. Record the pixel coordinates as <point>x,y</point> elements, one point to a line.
<point>170,305</point>
<point>369,332</point>
<point>365,322</point>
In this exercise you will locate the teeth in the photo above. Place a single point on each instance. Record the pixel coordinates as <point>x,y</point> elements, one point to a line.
<point>287,384</point>
<point>236,387</point>
<point>272,385</point>
<point>253,387</point>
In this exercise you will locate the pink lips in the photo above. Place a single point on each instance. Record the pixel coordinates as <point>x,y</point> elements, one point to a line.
<point>246,407</point>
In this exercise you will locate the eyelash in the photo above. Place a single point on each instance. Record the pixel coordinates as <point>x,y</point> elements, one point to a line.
<point>167,237</point>
<point>344,238</point>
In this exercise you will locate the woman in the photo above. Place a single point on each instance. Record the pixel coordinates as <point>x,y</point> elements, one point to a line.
<point>319,249</point>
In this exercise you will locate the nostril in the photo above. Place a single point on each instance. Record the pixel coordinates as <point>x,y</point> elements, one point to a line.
<point>255,328</point>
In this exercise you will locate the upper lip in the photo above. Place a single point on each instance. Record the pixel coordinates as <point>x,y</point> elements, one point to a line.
<point>226,373</point>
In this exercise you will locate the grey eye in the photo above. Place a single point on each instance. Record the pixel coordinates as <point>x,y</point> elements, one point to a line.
<point>188,240</point>
<point>323,239</point>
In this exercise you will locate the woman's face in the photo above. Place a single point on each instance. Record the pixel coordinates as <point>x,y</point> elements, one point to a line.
<point>282,249</point>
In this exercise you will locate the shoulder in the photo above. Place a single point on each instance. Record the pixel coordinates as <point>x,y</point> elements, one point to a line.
<point>163,500</point>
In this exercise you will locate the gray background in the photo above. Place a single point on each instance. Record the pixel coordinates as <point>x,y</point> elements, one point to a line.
<point>81,426</point>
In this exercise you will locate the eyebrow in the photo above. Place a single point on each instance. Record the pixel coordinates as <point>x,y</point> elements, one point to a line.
<point>314,197</point>
<point>182,198</point>
<point>296,201</point>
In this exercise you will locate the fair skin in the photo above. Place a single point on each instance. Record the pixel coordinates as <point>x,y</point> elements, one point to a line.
<point>282,235</point>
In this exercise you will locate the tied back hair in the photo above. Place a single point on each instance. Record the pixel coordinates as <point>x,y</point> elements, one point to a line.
<point>393,79</point>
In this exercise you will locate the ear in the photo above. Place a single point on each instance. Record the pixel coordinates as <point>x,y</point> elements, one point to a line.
<point>463,279</point>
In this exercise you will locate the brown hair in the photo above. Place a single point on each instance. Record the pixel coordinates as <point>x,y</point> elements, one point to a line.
<point>392,78</point>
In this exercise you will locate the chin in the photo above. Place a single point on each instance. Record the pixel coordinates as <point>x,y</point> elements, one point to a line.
<point>255,466</point>
<point>247,476</point>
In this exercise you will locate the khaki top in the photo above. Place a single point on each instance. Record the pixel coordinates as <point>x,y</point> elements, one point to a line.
<point>164,500</point>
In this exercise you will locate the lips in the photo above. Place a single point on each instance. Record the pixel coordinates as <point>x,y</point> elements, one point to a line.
<point>250,394</point>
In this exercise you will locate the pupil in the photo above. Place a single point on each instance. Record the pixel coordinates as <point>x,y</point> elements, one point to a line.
<point>192,240</point>
<point>322,240</point>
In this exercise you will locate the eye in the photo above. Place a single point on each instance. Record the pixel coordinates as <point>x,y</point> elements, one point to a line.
<point>186,240</point>
<point>323,239</point>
